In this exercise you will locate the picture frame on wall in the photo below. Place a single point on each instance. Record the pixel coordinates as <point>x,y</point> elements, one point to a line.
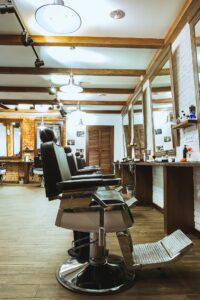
<point>80,133</point>
<point>70,142</point>
<point>158,131</point>
<point>167,139</point>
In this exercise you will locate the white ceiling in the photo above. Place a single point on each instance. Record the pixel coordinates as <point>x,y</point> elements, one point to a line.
<point>143,19</point>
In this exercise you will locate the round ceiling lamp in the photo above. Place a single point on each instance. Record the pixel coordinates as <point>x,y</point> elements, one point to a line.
<point>71,87</point>
<point>58,18</point>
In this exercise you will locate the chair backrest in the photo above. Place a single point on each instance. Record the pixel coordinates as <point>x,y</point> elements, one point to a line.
<point>37,162</point>
<point>55,167</point>
<point>71,161</point>
<point>83,160</point>
<point>79,160</point>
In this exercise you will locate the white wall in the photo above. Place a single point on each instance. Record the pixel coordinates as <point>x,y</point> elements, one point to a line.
<point>95,119</point>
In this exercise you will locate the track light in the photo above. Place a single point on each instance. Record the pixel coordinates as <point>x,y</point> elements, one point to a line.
<point>26,39</point>
<point>51,107</point>
<point>39,63</point>
<point>16,107</point>
<point>32,107</point>
<point>52,90</point>
<point>62,112</point>
<point>9,9</point>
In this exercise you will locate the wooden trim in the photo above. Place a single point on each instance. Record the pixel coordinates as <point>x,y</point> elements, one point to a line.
<point>65,102</point>
<point>101,111</point>
<point>161,89</point>
<point>75,71</point>
<point>19,89</point>
<point>194,44</point>
<point>84,41</point>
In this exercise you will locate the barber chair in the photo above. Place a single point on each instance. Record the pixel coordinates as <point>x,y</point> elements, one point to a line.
<point>88,211</point>
<point>38,170</point>
<point>81,162</point>
<point>2,172</point>
<point>73,167</point>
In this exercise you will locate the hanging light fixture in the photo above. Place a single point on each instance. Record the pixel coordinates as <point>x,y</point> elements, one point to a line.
<point>71,87</point>
<point>58,18</point>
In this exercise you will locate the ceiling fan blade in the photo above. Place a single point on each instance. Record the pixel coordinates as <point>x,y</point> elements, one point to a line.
<point>3,106</point>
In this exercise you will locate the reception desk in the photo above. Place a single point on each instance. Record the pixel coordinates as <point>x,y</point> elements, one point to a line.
<point>177,189</point>
<point>16,169</point>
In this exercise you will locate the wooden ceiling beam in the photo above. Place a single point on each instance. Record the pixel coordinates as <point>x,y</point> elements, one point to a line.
<point>65,102</point>
<point>75,71</point>
<point>85,41</point>
<point>161,89</point>
<point>155,101</point>
<point>26,89</point>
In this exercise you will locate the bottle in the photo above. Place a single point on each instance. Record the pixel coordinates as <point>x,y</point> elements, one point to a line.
<point>185,150</point>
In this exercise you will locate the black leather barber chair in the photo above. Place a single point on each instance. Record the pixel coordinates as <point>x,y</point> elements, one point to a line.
<point>84,209</point>
<point>73,167</point>
<point>38,170</point>
<point>81,164</point>
<point>2,172</point>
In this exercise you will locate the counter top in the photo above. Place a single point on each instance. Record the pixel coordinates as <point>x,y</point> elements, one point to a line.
<point>15,161</point>
<point>164,164</point>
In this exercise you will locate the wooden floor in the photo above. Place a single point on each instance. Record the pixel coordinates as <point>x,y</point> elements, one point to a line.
<point>31,248</point>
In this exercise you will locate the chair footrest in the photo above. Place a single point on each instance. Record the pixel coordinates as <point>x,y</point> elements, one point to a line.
<point>158,254</point>
<point>132,202</point>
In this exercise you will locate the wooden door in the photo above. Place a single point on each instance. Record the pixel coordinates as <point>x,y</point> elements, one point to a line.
<point>100,147</point>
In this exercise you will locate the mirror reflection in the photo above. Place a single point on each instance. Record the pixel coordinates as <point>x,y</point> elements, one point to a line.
<point>127,134</point>
<point>10,139</point>
<point>56,129</point>
<point>162,103</point>
<point>138,127</point>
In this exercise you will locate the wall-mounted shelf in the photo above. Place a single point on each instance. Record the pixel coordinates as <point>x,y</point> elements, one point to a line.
<point>185,124</point>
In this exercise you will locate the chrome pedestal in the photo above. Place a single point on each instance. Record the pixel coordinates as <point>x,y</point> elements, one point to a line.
<point>99,279</point>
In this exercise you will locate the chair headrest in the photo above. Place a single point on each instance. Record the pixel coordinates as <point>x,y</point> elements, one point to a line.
<point>67,149</point>
<point>77,153</point>
<point>47,135</point>
<point>81,156</point>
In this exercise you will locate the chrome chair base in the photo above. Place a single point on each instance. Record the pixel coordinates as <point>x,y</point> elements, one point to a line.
<point>111,277</point>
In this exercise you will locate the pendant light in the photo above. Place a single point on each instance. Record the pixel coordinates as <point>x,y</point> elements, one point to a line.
<point>71,87</point>
<point>58,18</point>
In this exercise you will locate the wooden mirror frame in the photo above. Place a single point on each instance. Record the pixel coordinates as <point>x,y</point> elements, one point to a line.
<point>165,58</point>
<point>61,122</point>
<point>140,92</point>
<point>193,23</point>
<point>9,121</point>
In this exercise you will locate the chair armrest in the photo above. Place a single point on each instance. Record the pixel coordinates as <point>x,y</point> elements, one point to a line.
<point>88,171</point>
<point>79,183</point>
<point>93,168</point>
<point>87,176</point>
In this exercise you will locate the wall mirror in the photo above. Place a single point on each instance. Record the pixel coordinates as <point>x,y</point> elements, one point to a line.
<point>163,109</point>
<point>10,138</point>
<point>127,134</point>
<point>139,136</point>
<point>196,26</point>
<point>57,127</point>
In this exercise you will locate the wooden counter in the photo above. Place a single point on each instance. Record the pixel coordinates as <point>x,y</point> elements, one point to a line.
<point>178,190</point>
<point>20,163</point>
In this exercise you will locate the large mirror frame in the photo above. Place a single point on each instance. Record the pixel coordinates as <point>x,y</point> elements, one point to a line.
<point>10,138</point>
<point>138,136</point>
<point>195,42</point>
<point>60,123</point>
<point>126,126</point>
<point>172,136</point>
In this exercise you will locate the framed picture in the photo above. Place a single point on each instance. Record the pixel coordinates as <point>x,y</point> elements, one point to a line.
<point>167,139</point>
<point>70,142</point>
<point>159,148</point>
<point>80,133</point>
<point>158,131</point>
